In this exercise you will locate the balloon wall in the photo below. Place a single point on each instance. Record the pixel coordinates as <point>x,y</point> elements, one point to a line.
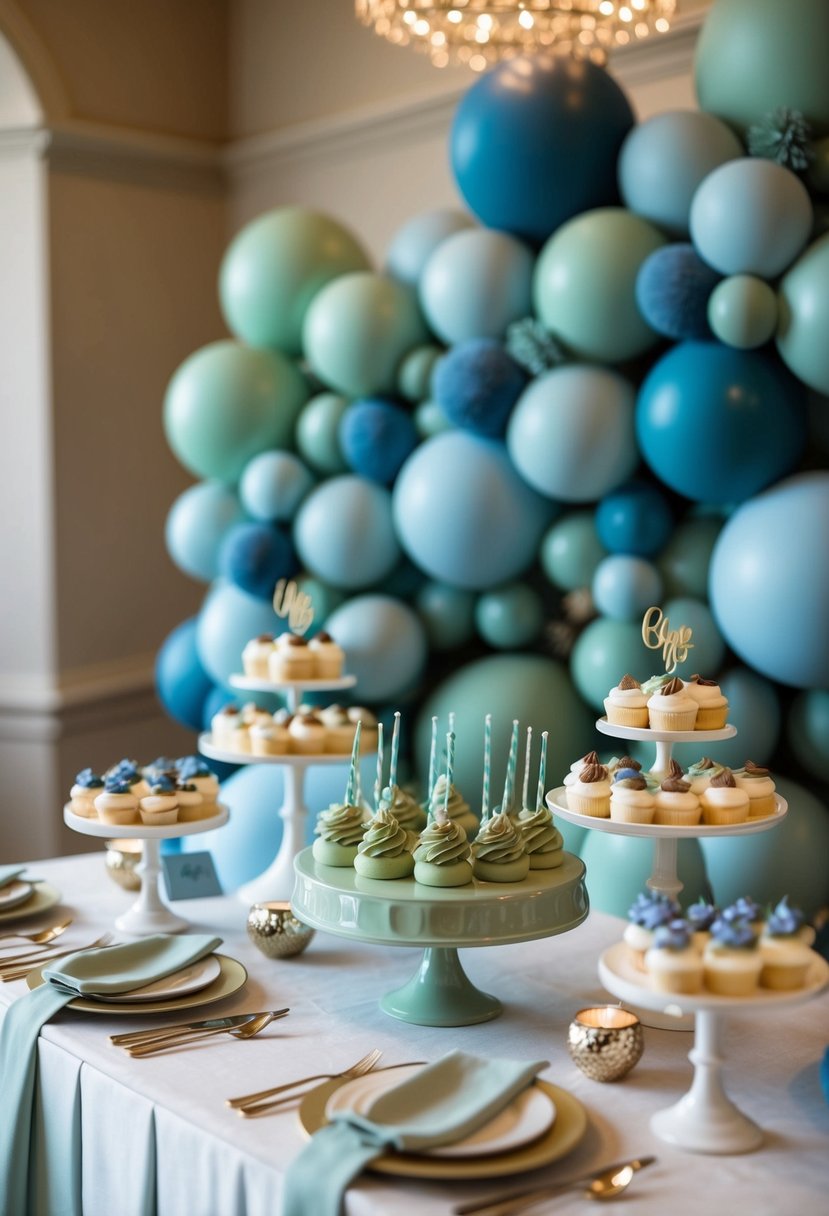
<point>603,384</point>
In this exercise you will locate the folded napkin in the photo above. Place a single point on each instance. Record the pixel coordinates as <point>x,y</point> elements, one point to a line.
<point>9,874</point>
<point>442,1103</point>
<point>87,973</point>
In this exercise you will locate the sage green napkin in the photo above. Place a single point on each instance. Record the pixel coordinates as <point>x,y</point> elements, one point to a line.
<point>87,973</point>
<point>9,874</point>
<point>440,1104</point>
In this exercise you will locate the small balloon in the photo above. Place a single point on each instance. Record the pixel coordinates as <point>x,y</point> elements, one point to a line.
<point>344,533</point>
<point>625,587</point>
<point>430,420</point>
<point>376,436</point>
<point>414,377</point>
<point>673,288</point>
<point>510,617</point>
<point>414,243</point>
<point>742,311</point>
<point>273,485</point>
<point>603,652</point>
<point>571,551</point>
<point>476,384</point>
<point>254,557</point>
<point>318,433</point>
<point>685,559</point>
<point>447,613</point>
<point>196,526</point>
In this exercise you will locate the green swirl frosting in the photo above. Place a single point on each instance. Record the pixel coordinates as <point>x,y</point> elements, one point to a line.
<point>442,843</point>
<point>406,809</point>
<point>384,836</point>
<point>538,832</point>
<point>457,805</point>
<point>499,840</point>
<point>341,824</point>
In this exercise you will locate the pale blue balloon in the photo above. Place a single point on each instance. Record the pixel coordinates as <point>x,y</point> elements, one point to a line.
<point>603,652</point>
<point>571,434</point>
<point>197,524</point>
<point>414,375</point>
<point>228,619</point>
<point>571,551</point>
<point>803,302</point>
<point>769,581</point>
<point>618,868</point>
<point>708,652</point>
<point>414,243</point>
<point>273,485</point>
<point>448,615</point>
<point>808,731</point>
<point>510,617</point>
<point>318,430</point>
<point>385,642</point>
<point>475,284</point>
<point>624,587</point>
<point>464,515</point>
<point>754,708</point>
<point>344,533</point>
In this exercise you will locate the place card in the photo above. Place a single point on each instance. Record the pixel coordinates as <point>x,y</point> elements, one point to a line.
<point>190,875</point>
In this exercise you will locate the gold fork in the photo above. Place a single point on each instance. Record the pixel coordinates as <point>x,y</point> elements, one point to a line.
<point>250,1105</point>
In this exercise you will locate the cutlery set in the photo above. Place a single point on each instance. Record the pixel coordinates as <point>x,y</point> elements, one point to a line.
<point>18,966</point>
<point>249,1106</point>
<point>140,1043</point>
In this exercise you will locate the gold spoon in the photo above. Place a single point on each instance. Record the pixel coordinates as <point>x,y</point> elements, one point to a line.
<point>604,1185</point>
<point>248,1031</point>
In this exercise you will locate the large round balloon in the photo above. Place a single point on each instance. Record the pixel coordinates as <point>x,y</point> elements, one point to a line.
<point>318,433</point>
<point>181,682</point>
<point>385,642</point>
<point>344,533</point>
<point>415,242</point>
<point>769,581</point>
<point>273,485</point>
<point>754,708</point>
<point>603,652</point>
<point>685,559</point>
<point>665,158</point>
<point>585,284</point>
<point>464,515</point>
<point>636,519</point>
<point>229,618</point>
<point>571,551</point>
<point>376,436</point>
<point>618,868</point>
<point>625,587</point>
<point>255,557</point>
<point>535,141</point>
<point>718,424</point>
<point>755,56</point>
<point>273,269</point>
<point>357,330</point>
<point>476,384</point>
<point>226,404</point>
<point>571,434</point>
<point>448,615</point>
<point>808,731</point>
<point>197,523</point>
<point>803,301</point>
<point>475,284</point>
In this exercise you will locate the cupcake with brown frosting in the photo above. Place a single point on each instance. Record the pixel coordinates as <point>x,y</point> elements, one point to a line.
<point>676,803</point>
<point>723,802</point>
<point>590,793</point>
<point>626,704</point>
<point>712,706</point>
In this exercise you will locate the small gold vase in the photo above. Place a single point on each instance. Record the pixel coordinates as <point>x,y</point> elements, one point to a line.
<point>606,1042</point>
<point>273,929</point>
<point>122,857</point>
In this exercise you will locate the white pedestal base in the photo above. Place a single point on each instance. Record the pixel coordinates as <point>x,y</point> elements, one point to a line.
<point>150,914</point>
<point>277,882</point>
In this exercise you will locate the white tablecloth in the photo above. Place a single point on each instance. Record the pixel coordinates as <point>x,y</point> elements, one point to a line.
<point>153,1137</point>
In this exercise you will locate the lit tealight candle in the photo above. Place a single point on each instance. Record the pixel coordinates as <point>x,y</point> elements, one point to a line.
<point>605,1041</point>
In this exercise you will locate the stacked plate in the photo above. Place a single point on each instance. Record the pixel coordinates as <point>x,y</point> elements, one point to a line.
<point>20,898</point>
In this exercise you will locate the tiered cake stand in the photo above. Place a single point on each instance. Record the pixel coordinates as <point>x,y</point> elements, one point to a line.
<point>276,882</point>
<point>149,914</point>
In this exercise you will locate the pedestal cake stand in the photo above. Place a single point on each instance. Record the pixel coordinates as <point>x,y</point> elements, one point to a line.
<point>439,921</point>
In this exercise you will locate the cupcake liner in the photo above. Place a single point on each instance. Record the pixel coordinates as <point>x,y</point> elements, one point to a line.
<point>676,817</point>
<point>676,980</point>
<point>596,808</point>
<point>682,719</point>
<point>760,808</point>
<point>624,716</point>
<point>723,815</point>
<point>711,718</point>
<point>623,812</point>
<point>730,983</point>
<point>159,818</point>
<point>782,977</point>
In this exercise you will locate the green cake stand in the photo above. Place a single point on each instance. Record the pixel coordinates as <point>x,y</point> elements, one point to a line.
<point>439,921</point>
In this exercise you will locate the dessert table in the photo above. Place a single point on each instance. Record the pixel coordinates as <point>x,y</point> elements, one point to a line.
<point>152,1137</point>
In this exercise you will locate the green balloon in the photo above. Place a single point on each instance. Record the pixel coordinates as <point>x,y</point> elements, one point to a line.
<point>358,330</point>
<point>584,285</point>
<point>415,374</point>
<point>755,56</point>
<point>227,403</point>
<point>509,617</point>
<point>685,559</point>
<point>317,433</point>
<point>804,316</point>
<point>808,731</point>
<point>604,652</point>
<point>273,269</point>
<point>571,551</point>
<point>618,868</point>
<point>430,420</point>
<point>742,311</point>
<point>447,613</point>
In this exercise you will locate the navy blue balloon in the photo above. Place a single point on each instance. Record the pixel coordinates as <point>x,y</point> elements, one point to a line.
<point>635,519</point>
<point>476,385</point>
<point>181,683</point>
<point>672,291</point>
<point>255,557</point>
<point>535,141</point>
<point>375,437</point>
<point>718,424</point>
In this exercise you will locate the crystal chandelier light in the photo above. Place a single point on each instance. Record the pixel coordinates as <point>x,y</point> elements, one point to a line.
<point>479,32</point>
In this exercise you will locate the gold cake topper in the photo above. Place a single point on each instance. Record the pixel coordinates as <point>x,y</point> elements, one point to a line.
<point>296,605</point>
<point>658,635</point>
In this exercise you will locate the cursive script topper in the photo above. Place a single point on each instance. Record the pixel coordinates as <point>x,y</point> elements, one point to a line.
<point>296,605</point>
<point>658,635</point>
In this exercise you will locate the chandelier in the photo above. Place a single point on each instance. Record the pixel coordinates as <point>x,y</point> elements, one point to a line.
<point>480,32</point>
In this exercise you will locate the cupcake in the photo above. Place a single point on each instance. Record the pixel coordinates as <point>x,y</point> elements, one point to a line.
<point>648,911</point>
<point>543,842</point>
<point>672,962</point>
<point>160,806</point>
<point>253,714</point>
<point>731,961</point>
<point>339,831</point>
<point>616,762</point>
<point>256,656</point>
<point>339,730</point>
<point>269,738</point>
<point>746,908</point>
<point>671,708</point>
<point>87,787</point>
<point>405,807</point>
<point>723,802</point>
<point>577,766</point>
<point>290,660</point>
<point>383,853</point>
<point>223,723</point>
<point>626,704</point>
<point>786,957</point>
<point>194,771</point>
<point>675,803</point>
<point>442,856</point>
<point>117,804</point>
<point>457,807</point>
<point>328,657</point>
<point>498,851</point>
<point>191,805</point>
<point>699,775</point>
<point>590,793</point>
<point>700,917</point>
<point>630,799</point>
<point>129,771</point>
<point>759,786</point>
<point>162,766</point>
<point>238,739</point>
<point>307,735</point>
<point>712,706</point>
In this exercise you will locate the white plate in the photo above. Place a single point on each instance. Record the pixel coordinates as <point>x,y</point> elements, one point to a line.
<point>189,979</point>
<point>14,893</point>
<point>557,802</point>
<point>526,1118</point>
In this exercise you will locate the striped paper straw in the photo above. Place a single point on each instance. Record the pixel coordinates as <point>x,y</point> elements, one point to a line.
<point>378,781</point>
<point>450,771</point>
<point>527,754</point>
<point>352,772</point>
<point>542,772</point>
<point>433,758</point>
<point>509,780</point>
<point>487,767</point>
<point>395,749</point>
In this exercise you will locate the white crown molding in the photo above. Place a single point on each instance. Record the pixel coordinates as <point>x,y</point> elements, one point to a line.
<point>122,154</point>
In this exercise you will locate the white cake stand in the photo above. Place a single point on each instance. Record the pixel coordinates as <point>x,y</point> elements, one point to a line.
<point>705,1120</point>
<point>150,913</point>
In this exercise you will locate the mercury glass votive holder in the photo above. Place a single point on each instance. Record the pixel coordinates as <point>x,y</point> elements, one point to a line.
<point>273,929</point>
<point>605,1041</point>
<point>122,858</point>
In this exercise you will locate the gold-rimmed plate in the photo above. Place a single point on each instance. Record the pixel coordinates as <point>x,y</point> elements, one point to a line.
<point>561,1138</point>
<point>42,898</point>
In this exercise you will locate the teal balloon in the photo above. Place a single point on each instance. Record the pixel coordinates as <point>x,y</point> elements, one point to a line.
<point>817,175</point>
<point>510,617</point>
<point>414,243</point>
<point>228,619</point>
<point>708,649</point>
<point>807,730</point>
<point>197,524</point>
<point>571,551</point>
<point>789,859</point>
<point>273,269</point>
<point>803,300</point>
<point>755,56</point>
<point>226,404</point>
<point>324,598</point>
<point>415,375</point>
<point>447,613</point>
<point>584,286</point>
<point>742,311</point>
<point>537,691</point>
<point>318,433</point>
<point>618,868</point>
<point>685,559</point>
<point>624,587</point>
<point>754,708</point>
<point>385,642</point>
<point>358,330</point>
<point>571,434</point>
<point>344,534</point>
<point>603,652</point>
<point>429,419</point>
<point>273,485</point>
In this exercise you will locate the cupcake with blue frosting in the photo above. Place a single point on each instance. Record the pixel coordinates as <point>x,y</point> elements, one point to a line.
<point>88,785</point>
<point>786,956</point>
<point>672,962</point>
<point>731,961</point>
<point>648,911</point>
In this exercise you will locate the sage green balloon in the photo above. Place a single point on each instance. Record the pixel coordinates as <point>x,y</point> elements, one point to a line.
<point>618,868</point>
<point>273,269</point>
<point>685,559</point>
<point>226,403</point>
<point>742,311</point>
<point>755,56</point>
<point>415,374</point>
<point>604,652</point>
<point>571,551</point>
<point>317,432</point>
<point>803,301</point>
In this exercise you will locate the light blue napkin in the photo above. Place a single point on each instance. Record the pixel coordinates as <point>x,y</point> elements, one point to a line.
<point>440,1104</point>
<point>87,973</point>
<point>9,873</point>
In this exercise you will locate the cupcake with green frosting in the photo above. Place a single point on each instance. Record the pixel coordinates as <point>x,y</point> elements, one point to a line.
<point>406,809</point>
<point>383,853</point>
<point>498,851</point>
<point>457,808</point>
<point>339,831</point>
<point>442,857</point>
<point>543,842</point>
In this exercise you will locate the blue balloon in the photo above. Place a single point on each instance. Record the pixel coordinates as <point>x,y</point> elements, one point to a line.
<point>769,581</point>
<point>535,141</point>
<point>635,519</point>
<point>255,557</point>
<point>414,243</point>
<point>273,485</point>
<point>385,642</point>
<point>625,587</point>
<point>197,524</point>
<point>229,618</point>
<point>448,615</point>
<point>718,424</point>
<point>673,288</point>
<point>476,284</point>
<point>476,385</point>
<point>754,708</point>
<point>464,515</point>
<point>510,617</point>
<point>181,682</point>
<point>344,533</point>
<point>376,436</point>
